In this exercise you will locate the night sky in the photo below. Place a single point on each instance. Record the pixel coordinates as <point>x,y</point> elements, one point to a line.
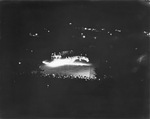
<point>114,35</point>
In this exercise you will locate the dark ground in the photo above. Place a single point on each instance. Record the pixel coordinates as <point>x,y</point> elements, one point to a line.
<point>25,95</point>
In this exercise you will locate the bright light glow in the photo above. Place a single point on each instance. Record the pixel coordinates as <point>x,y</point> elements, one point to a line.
<point>70,23</point>
<point>33,35</point>
<point>141,58</point>
<point>147,33</point>
<point>68,67</point>
<point>67,61</point>
<point>83,36</point>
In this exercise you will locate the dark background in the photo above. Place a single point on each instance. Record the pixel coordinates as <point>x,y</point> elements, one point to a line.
<point>123,95</point>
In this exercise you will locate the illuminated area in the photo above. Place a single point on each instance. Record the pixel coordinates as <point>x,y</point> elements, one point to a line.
<point>67,61</point>
<point>68,67</point>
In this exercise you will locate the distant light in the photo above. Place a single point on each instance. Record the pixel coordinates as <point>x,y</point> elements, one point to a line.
<point>19,62</point>
<point>148,34</point>
<point>136,48</point>
<point>95,37</point>
<point>34,35</point>
<point>119,30</point>
<point>31,50</point>
<point>70,23</point>
<point>81,33</point>
<point>48,31</point>
<point>85,28</point>
<point>102,29</point>
<point>83,36</point>
<point>47,85</point>
<point>89,29</point>
<point>110,34</point>
<point>105,76</point>
<point>53,75</point>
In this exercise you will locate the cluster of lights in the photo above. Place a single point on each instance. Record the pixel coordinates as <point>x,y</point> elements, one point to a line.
<point>36,34</point>
<point>117,30</point>
<point>59,56</point>
<point>46,29</point>
<point>55,56</point>
<point>92,29</point>
<point>109,33</point>
<point>83,36</point>
<point>147,33</point>
<point>104,76</point>
<point>89,29</point>
<point>58,61</point>
<point>75,67</point>
<point>59,76</point>
<point>33,35</point>
<point>96,30</point>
